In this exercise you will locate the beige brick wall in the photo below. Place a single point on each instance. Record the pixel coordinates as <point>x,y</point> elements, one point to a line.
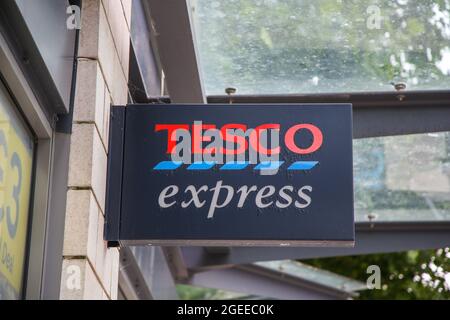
<point>90,270</point>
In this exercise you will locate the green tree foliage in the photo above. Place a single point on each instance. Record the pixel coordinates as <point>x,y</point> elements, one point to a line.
<point>404,275</point>
<point>186,292</point>
<point>195,293</point>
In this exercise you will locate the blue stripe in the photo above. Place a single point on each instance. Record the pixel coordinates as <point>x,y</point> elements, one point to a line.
<point>168,165</point>
<point>234,165</point>
<point>271,165</point>
<point>303,165</point>
<point>201,165</point>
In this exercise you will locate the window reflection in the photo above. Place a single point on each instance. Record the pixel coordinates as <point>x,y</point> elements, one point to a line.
<point>16,158</point>
<point>402,178</point>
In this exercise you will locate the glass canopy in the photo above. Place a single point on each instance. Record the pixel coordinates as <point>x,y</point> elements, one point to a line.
<point>300,46</point>
<point>402,178</point>
<point>314,275</point>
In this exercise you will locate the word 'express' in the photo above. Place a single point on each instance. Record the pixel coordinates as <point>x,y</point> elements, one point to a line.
<point>264,197</point>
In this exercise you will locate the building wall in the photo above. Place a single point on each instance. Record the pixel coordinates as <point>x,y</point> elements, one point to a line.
<point>90,269</point>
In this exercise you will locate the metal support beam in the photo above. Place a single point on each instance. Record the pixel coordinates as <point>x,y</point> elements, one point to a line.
<point>171,23</point>
<point>368,241</point>
<point>386,121</point>
<point>131,280</point>
<point>144,274</point>
<point>176,263</point>
<point>375,114</point>
<point>145,67</point>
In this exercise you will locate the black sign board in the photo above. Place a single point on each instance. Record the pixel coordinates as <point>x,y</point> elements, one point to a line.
<point>231,175</point>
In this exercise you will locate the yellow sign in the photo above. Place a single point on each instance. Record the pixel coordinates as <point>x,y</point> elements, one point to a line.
<point>16,160</point>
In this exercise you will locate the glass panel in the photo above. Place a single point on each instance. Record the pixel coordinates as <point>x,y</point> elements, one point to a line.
<point>306,272</point>
<point>402,178</point>
<point>303,46</point>
<point>16,163</point>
